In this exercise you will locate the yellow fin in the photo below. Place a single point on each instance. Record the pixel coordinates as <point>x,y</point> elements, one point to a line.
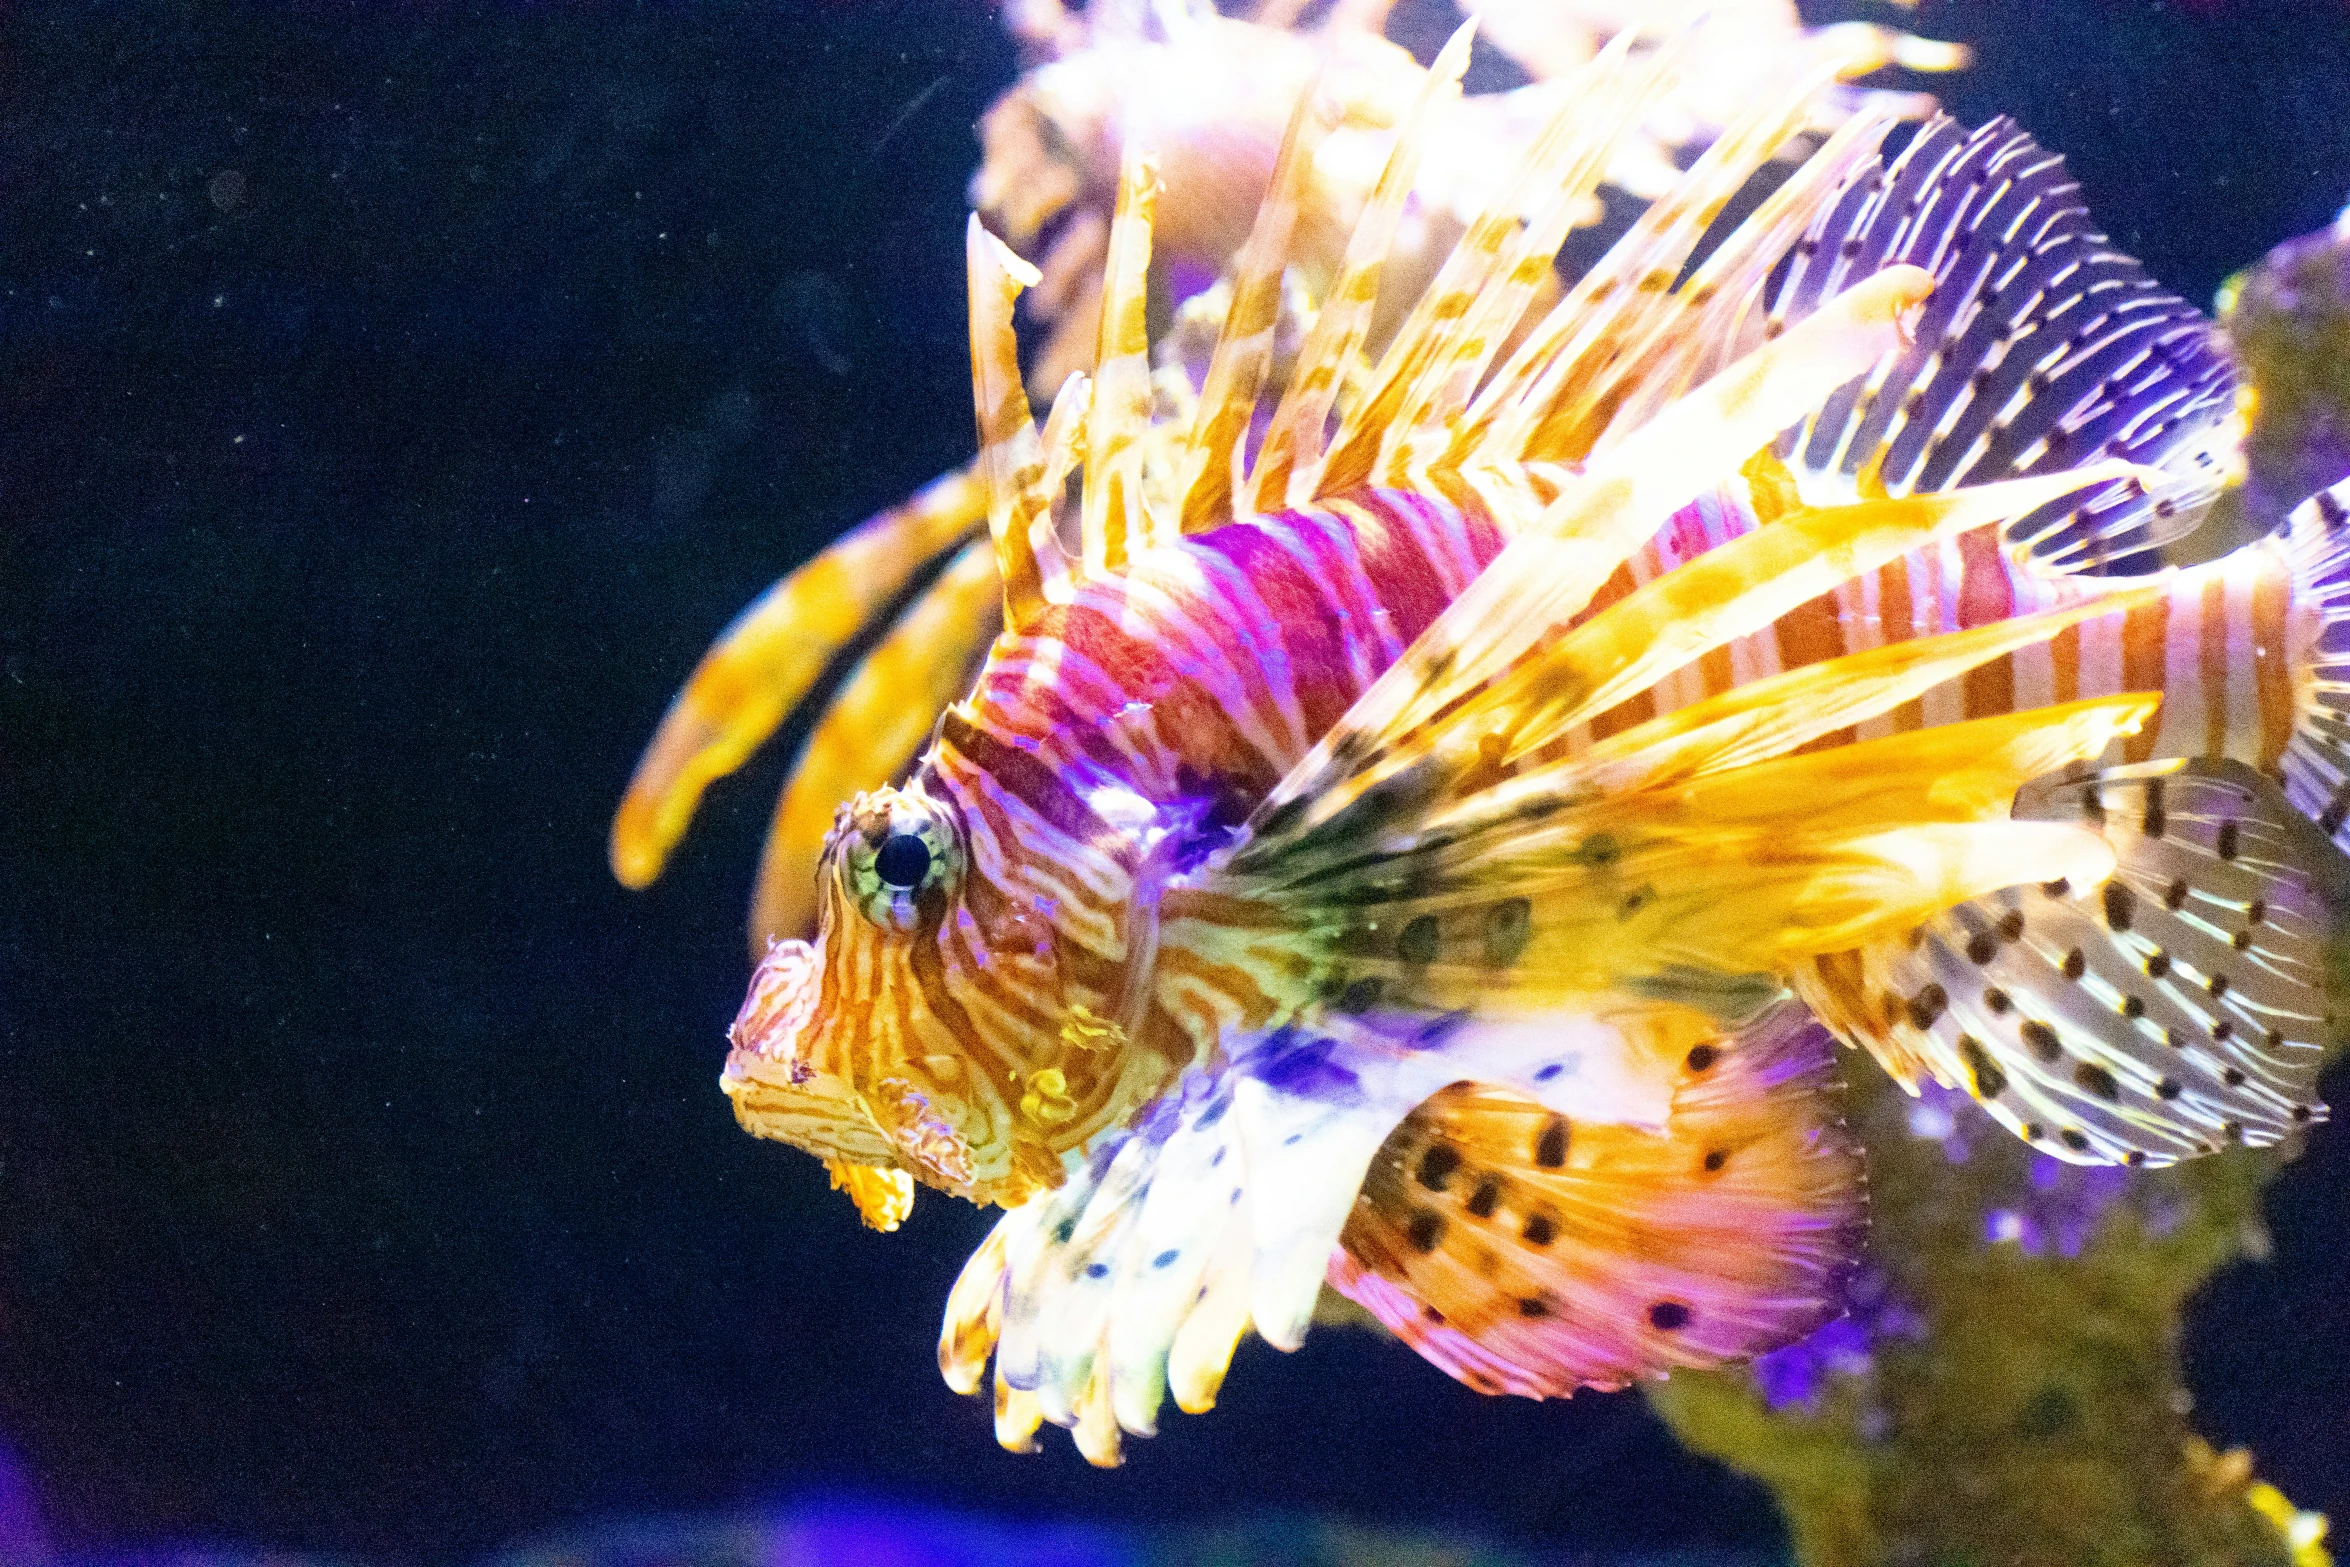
<point>1523,1252</point>
<point>1294,440</point>
<point>1114,521</point>
<point>1019,512</point>
<point>1212,453</point>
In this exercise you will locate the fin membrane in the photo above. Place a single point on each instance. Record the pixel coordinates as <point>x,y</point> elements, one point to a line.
<point>2150,1019</point>
<point>2317,759</point>
<point>2041,348</point>
<point>1215,1211</point>
<point>1523,1252</point>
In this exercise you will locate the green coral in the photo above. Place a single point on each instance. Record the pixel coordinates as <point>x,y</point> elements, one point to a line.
<point>2289,319</point>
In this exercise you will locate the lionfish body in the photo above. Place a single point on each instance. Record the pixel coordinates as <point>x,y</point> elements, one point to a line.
<point>1402,842</point>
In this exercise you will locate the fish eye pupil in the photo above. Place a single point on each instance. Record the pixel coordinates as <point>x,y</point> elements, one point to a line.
<point>903,861</point>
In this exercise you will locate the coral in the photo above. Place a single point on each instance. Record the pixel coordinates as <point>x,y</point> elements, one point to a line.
<point>2289,318</point>
<point>2008,1390</point>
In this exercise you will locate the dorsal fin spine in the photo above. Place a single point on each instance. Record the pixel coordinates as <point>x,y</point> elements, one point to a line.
<point>1019,512</point>
<point>1213,449</point>
<point>1114,520</point>
<point>1294,441</point>
<point>1461,318</point>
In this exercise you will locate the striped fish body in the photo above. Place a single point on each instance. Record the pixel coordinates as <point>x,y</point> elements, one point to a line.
<point>2230,644</point>
<point>1107,747</point>
<point>1122,736</point>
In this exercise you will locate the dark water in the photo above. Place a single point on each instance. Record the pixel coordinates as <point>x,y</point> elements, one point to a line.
<point>393,400</point>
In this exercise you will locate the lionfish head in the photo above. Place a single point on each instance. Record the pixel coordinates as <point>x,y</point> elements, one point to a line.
<point>836,1051</point>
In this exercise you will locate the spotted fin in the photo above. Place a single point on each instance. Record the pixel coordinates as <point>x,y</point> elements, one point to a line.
<point>1695,893</point>
<point>1525,1253</point>
<point>2174,1008</point>
<point>1215,1211</point>
<point>2042,347</point>
<point>2316,539</point>
<point>1219,1208</point>
<point>767,661</point>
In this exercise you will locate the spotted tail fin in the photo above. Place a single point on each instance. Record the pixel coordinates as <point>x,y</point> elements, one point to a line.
<point>1525,1253</point>
<point>2151,1017</point>
<point>2316,539</point>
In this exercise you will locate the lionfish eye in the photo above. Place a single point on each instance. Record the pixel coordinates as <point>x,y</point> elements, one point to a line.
<point>903,861</point>
<point>896,850</point>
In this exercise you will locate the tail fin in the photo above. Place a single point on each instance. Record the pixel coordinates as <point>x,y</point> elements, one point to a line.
<point>2317,759</point>
<point>1524,1255</point>
<point>2154,1017</point>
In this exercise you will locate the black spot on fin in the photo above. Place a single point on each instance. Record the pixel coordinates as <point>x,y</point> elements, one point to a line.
<point>2191,1023</point>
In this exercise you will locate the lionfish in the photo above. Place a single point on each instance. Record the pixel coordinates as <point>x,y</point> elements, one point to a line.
<point>1407,840</point>
<point>1212,94</point>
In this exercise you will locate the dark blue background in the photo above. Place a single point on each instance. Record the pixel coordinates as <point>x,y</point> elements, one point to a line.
<point>364,1183</point>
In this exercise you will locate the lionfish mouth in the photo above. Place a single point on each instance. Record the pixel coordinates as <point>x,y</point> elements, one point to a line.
<point>777,1092</point>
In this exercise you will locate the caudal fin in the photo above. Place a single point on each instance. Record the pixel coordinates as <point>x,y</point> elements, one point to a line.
<point>2171,1009</point>
<point>2317,758</point>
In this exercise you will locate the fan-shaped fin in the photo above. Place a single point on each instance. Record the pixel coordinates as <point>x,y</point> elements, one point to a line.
<point>1294,438</point>
<point>1554,396</point>
<point>2170,1009</point>
<point>1019,511</point>
<point>883,713</point>
<point>1515,902</point>
<point>1774,716</point>
<point>1522,1252</point>
<point>1219,1207</point>
<point>1728,592</point>
<point>2041,346</point>
<point>1721,312</point>
<point>1114,521</point>
<point>763,664</point>
<point>2316,539</point>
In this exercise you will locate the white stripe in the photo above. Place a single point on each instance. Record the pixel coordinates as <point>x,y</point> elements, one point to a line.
<point>2181,729</point>
<point>2243,694</point>
<point>2101,656</point>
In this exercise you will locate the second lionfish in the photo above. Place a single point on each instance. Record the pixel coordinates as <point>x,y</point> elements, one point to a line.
<point>1406,838</point>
